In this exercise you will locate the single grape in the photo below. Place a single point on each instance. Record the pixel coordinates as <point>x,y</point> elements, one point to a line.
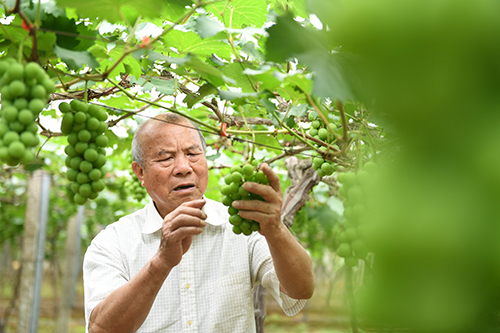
<point>344,250</point>
<point>17,149</point>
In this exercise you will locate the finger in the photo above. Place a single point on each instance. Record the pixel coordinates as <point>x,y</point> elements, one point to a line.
<point>192,208</point>
<point>182,233</point>
<point>184,221</point>
<point>194,203</point>
<point>265,191</point>
<point>261,217</point>
<point>254,205</point>
<point>274,179</point>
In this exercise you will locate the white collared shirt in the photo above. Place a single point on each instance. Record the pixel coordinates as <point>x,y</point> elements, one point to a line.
<point>210,290</point>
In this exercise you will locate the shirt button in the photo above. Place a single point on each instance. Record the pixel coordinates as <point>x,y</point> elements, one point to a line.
<point>189,322</point>
<point>187,286</point>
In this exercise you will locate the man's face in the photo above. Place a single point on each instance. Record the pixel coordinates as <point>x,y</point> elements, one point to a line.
<point>175,168</point>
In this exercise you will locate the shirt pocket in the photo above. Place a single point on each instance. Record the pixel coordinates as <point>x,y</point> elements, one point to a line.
<point>232,304</point>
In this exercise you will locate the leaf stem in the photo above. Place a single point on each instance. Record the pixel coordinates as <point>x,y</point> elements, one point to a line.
<point>340,106</point>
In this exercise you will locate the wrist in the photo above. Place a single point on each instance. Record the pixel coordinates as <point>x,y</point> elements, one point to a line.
<point>158,267</point>
<point>278,234</point>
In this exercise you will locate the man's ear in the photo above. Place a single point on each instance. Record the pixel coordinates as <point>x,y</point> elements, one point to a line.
<point>139,171</point>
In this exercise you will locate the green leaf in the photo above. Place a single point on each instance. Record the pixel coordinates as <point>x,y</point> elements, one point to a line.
<point>13,31</point>
<point>238,14</point>
<point>166,87</point>
<point>271,111</point>
<point>204,91</point>
<point>235,72</point>
<point>267,141</point>
<point>302,82</point>
<point>287,38</point>
<point>251,49</point>
<point>323,10</point>
<point>298,7</point>
<point>76,37</point>
<point>298,110</point>
<point>333,75</point>
<point>190,43</point>
<point>76,59</point>
<point>132,66</point>
<point>214,157</point>
<point>207,27</point>
<point>209,73</point>
<point>110,10</point>
<point>175,9</point>
<point>50,113</point>
<point>46,42</point>
<point>238,98</point>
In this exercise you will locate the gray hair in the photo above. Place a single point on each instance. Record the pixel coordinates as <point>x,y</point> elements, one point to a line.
<point>171,118</point>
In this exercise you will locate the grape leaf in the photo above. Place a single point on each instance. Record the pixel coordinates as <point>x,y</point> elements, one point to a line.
<point>132,66</point>
<point>175,9</point>
<point>323,10</point>
<point>110,9</point>
<point>287,38</point>
<point>166,87</point>
<point>76,59</point>
<point>190,43</point>
<point>334,76</point>
<point>298,7</point>
<point>237,14</point>
<point>204,91</point>
<point>207,27</point>
<point>207,72</point>
<point>298,110</point>
<point>75,37</point>
<point>238,98</point>
<point>235,72</point>
<point>301,82</point>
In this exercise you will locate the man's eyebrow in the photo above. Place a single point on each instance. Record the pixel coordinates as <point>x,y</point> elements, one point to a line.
<point>164,152</point>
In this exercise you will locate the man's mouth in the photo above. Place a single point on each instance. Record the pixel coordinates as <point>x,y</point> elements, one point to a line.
<point>183,187</point>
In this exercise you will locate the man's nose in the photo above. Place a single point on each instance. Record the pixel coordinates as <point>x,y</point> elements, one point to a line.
<point>182,165</point>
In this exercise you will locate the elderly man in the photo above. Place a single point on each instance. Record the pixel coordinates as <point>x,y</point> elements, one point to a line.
<point>175,265</point>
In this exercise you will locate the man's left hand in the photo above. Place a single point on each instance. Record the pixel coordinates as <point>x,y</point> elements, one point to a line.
<point>267,212</point>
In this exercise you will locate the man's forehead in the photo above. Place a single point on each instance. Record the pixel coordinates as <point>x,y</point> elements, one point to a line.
<point>167,150</point>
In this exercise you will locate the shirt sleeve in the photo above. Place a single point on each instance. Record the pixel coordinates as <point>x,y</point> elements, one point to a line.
<point>263,272</point>
<point>103,270</point>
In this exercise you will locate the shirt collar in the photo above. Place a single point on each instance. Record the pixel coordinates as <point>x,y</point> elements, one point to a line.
<point>216,216</point>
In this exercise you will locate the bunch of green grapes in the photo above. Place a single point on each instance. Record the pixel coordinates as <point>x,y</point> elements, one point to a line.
<point>135,189</point>
<point>354,187</point>
<point>25,91</point>
<point>233,190</point>
<point>85,127</point>
<point>320,131</point>
<point>134,186</point>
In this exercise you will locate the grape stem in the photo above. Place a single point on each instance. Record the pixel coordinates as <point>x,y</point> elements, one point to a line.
<point>345,135</point>
<point>321,115</point>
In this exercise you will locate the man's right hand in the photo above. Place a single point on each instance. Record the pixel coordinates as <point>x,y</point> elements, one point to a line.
<point>178,230</point>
